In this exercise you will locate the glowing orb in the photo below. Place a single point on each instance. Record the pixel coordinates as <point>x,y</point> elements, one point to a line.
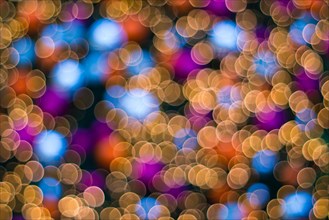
<point>264,161</point>
<point>137,103</point>
<point>149,208</point>
<point>258,195</point>
<point>51,188</point>
<point>25,49</point>
<point>50,146</point>
<point>106,34</point>
<point>297,205</point>
<point>225,35</point>
<point>67,75</point>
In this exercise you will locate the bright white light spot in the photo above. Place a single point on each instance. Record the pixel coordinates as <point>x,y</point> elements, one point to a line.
<point>67,75</point>
<point>50,146</point>
<point>139,103</point>
<point>105,34</point>
<point>225,35</point>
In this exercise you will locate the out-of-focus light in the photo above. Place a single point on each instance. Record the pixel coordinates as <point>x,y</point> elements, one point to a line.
<point>183,63</point>
<point>53,31</point>
<point>106,34</point>
<point>137,103</point>
<point>227,95</point>
<point>67,75</point>
<point>65,32</point>
<point>299,26</point>
<point>266,64</point>
<point>264,161</point>
<point>304,116</point>
<point>25,49</point>
<point>140,62</point>
<point>173,40</point>
<point>51,188</point>
<point>95,66</point>
<point>230,211</point>
<point>114,92</point>
<point>297,205</point>
<point>73,30</point>
<point>50,146</point>
<point>147,170</point>
<point>184,135</point>
<point>53,102</point>
<point>225,35</point>
<point>259,194</point>
<point>147,203</point>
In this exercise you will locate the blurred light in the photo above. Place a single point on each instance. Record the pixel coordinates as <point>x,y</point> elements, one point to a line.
<point>297,28</point>
<point>227,95</point>
<point>225,35</point>
<point>72,31</point>
<point>147,170</point>
<point>95,67</point>
<point>297,205</point>
<point>51,188</point>
<point>106,34</point>
<point>67,75</point>
<point>231,211</point>
<point>25,48</point>
<point>259,194</point>
<point>183,63</point>
<point>183,135</point>
<point>53,31</point>
<point>50,146</point>
<point>66,32</point>
<point>304,116</point>
<point>140,62</point>
<point>264,161</point>
<point>147,203</point>
<point>137,103</point>
<point>173,40</point>
<point>52,102</point>
<point>115,92</point>
<point>265,64</point>
<point>205,102</point>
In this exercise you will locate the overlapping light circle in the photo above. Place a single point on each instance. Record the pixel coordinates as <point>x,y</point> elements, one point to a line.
<point>164,109</point>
